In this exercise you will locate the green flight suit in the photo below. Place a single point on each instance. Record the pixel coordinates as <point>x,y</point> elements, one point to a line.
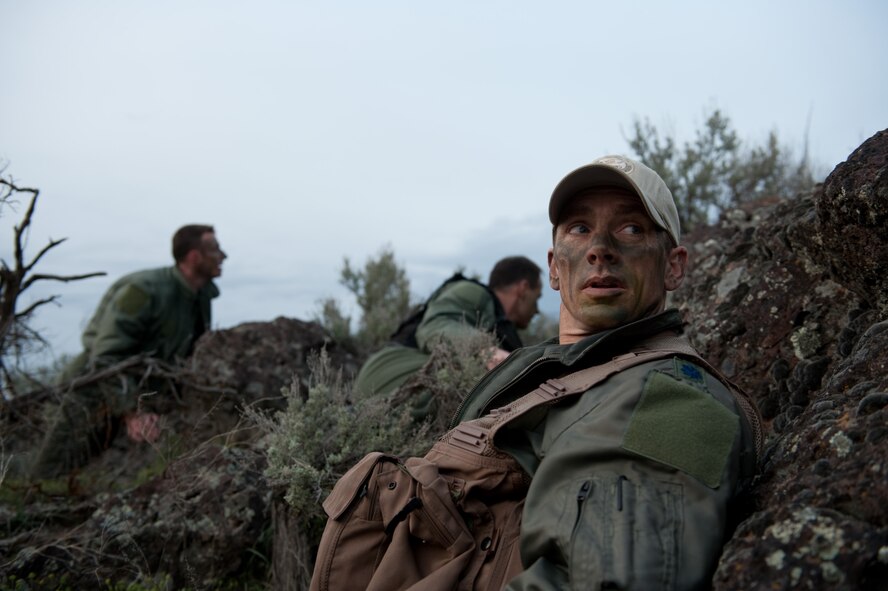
<point>458,310</point>
<point>153,312</point>
<point>633,481</point>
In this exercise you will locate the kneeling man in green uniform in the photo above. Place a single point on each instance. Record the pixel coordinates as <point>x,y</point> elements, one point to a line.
<point>157,312</point>
<point>458,309</point>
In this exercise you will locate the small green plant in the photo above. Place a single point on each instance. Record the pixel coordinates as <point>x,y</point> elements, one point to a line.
<point>35,582</point>
<point>335,321</point>
<point>382,292</point>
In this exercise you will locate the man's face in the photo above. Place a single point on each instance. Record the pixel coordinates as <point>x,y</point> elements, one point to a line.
<point>609,263</point>
<point>526,304</point>
<point>211,256</point>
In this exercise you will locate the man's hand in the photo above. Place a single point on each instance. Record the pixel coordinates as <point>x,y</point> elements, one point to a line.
<point>495,357</point>
<point>142,426</point>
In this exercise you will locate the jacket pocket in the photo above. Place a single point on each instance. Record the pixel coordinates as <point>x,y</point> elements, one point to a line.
<point>355,524</point>
<point>428,546</point>
<point>625,533</point>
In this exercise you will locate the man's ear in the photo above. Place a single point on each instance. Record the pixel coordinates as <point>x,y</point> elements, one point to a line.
<point>553,270</point>
<point>676,267</point>
<point>523,287</point>
<point>193,257</point>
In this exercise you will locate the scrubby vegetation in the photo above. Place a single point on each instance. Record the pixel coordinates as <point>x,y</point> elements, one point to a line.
<point>382,291</point>
<point>326,430</point>
<point>17,338</point>
<point>436,391</point>
<point>717,170</point>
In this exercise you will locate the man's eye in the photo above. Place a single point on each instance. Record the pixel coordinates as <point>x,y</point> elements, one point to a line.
<point>632,229</point>
<point>578,229</point>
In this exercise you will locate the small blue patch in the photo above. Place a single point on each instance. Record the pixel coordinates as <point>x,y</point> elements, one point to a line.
<point>689,373</point>
<point>692,372</point>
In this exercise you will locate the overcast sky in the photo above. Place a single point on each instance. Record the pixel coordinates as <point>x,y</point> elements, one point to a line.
<point>309,132</point>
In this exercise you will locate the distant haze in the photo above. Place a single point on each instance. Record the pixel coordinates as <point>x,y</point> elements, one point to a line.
<point>309,132</point>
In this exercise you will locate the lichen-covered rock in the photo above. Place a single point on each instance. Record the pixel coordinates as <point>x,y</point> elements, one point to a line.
<point>761,309</point>
<point>823,522</point>
<point>852,214</point>
<point>810,343</point>
<point>198,522</point>
<point>257,359</point>
<point>196,526</point>
<point>247,366</point>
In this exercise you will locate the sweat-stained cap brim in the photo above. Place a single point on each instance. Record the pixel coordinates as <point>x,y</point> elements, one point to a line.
<point>619,171</point>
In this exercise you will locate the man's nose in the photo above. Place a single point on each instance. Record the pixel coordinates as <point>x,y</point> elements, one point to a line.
<point>601,249</point>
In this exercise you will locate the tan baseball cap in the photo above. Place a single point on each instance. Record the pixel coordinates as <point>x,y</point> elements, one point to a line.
<point>619,171</point>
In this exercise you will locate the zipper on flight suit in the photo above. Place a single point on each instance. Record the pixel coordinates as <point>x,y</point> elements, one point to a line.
<point>582,495</point>
<point>620,492</point>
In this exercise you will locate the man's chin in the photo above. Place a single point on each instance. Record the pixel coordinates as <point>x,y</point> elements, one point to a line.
<point>603,317</point>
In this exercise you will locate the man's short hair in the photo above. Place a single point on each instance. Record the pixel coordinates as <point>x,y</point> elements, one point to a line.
<point>188,238</point>
<point>511,270</point>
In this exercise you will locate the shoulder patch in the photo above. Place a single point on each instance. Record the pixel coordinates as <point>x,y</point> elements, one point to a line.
<point>680,425</point>
<point>131,300</point>
<point>688,372</point>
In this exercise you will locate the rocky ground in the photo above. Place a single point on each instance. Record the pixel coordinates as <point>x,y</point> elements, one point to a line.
<point>789,299</point>
<point>192,512</point>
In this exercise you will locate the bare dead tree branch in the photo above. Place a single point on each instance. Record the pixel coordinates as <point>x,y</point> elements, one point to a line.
<point>15,279</point>
<point>141,366</point>
<point>27,311</point>
<point>52,244</point>
<point>63,278</point>
<point>26,220</point>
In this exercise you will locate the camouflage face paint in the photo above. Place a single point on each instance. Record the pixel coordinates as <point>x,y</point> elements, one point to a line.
<point>608,262</point>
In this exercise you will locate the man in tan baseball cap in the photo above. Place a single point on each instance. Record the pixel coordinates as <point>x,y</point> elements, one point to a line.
<point>615,249</point>
<point>633,478</point>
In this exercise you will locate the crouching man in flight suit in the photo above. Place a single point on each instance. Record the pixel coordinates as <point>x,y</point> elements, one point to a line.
<point>634,480</point>
<point>159,313</point>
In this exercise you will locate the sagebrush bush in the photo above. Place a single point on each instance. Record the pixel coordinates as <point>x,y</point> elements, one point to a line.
<point>323,433</point>
<point>326,430</point>
<point>382,292</point>
<point>434,393</point>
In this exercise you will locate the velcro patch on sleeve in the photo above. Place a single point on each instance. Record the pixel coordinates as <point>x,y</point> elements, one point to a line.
<point>682,426</point>
<point>131,300</point>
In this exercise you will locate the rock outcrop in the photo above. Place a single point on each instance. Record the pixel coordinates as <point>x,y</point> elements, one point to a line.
<point>247,366</point>
<point>194,511</point>
<point>789,300</point>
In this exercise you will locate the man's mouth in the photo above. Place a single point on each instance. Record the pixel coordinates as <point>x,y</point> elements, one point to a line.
<point>606,285</point>
<point>603,281</point>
